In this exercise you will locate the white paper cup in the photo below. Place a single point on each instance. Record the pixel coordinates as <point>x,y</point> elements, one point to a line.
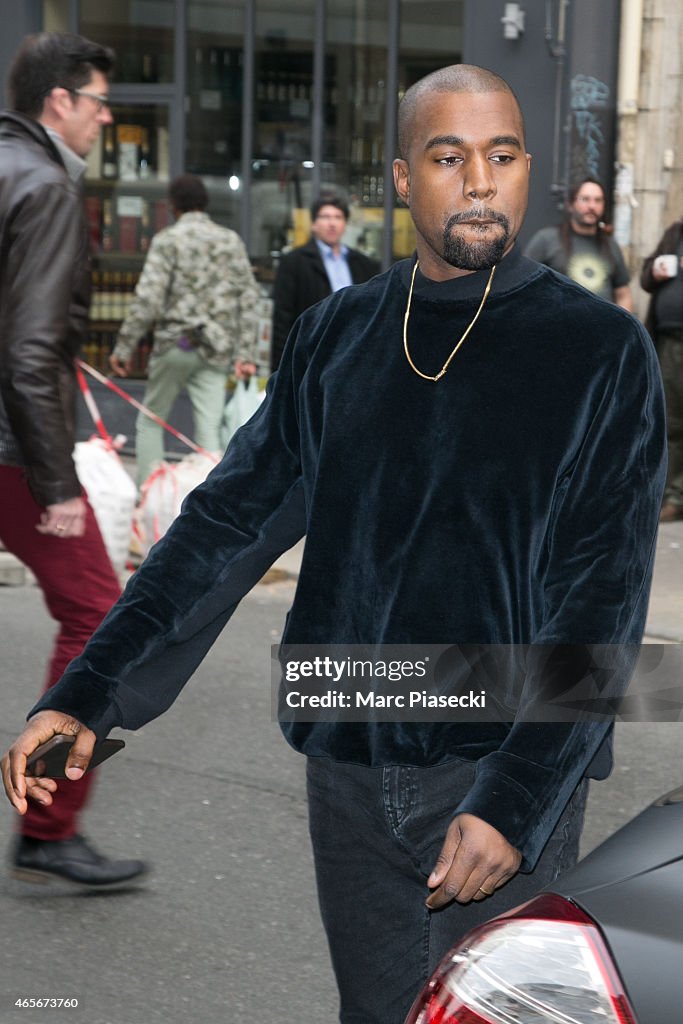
<point>667,264</point>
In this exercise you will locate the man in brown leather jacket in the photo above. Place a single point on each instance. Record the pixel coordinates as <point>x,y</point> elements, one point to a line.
<point>58,92</point>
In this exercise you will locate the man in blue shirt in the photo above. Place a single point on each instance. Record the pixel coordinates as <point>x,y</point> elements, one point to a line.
<point>314,270</point>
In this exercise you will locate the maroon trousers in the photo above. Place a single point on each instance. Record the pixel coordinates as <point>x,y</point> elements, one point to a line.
<point>79,586</point>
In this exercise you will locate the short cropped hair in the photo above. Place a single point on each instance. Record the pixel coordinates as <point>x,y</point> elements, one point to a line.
<point>454,78</point>
<point>336,201</point>
<point>50,59</point>
<point>188,192</point>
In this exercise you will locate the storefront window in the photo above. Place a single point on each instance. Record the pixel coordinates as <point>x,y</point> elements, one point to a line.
<point>348,141</point>
<point>140,31</point>
<point>355,99</point>
<point>422,50</point>
<point>282,153</point>
<point>214,89</point>
<point>127,203</point>
<point>56,15</point>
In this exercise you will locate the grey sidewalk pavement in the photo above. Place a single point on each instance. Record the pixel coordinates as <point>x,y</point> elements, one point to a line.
<point>226,926</point>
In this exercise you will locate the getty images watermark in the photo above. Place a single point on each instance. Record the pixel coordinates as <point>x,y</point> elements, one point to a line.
<point>477,682</point>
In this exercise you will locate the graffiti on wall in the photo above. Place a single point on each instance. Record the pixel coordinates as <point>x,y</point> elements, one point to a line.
<point>589,97</point>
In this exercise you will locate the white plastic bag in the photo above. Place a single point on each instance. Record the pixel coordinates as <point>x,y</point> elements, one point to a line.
<point>163,493</point>
<point>245,400</point>
<point>112,494</point>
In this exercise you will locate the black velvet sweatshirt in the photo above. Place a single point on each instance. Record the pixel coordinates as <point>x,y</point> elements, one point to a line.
<point>515,501</point>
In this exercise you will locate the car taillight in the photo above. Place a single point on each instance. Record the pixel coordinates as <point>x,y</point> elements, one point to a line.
<point>545,962</point>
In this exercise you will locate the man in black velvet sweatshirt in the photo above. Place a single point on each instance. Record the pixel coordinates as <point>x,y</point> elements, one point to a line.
<point>473,446</point>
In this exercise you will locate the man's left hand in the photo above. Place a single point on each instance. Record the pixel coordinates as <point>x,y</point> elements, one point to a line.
<point>64,520</point>
<point>475,860</point>
<point>244,370</point>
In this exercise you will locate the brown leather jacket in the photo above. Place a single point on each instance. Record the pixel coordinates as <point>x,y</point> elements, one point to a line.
<point>44,298</point>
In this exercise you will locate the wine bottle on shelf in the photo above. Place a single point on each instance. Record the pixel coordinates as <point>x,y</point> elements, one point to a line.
<point>109,162</point>
<point>149,72</point>
<point>145,228</point>
<point>107,225</point>
<point>144,166</point>
<point>213,79</point>
<point>95,296</point>
<point>116,295</point>
<point>103,304</point>
<point>226,74</point>
<point>131,280</point>
<point>271,87</point>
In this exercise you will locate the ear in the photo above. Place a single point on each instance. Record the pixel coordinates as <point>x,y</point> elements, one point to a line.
<point>402,180</point>
<point>58,103</point>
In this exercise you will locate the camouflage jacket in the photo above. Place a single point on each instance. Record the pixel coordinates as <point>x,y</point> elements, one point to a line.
<point>196,283</point>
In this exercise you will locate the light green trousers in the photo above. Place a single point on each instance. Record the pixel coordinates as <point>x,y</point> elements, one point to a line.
<point>169,373</point>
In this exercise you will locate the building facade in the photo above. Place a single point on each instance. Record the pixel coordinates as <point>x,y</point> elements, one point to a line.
<point>272,102</point>
<point>649,178</point>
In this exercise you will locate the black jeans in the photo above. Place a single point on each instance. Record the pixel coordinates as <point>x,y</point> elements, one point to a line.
<point>376,833</point>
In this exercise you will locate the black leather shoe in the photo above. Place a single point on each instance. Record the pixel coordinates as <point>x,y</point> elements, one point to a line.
<point>40,860</point>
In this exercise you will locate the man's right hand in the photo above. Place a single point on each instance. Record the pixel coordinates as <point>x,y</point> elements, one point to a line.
<point>121,367</point>
<point>42,727</point>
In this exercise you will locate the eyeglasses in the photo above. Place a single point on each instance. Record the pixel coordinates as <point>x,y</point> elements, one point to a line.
<point>101,101</point>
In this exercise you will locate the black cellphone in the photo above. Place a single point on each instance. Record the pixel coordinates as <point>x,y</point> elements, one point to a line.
<point>49,759</point>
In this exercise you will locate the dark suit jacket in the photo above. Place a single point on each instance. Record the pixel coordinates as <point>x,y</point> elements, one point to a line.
<point>302,281</point>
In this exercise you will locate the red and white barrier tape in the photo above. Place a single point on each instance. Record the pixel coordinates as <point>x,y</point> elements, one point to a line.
<point>109,383</point>
<point>92,405</point>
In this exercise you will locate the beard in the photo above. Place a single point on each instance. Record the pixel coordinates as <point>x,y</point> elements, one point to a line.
<point>586,220</point>
<point>477,255</point>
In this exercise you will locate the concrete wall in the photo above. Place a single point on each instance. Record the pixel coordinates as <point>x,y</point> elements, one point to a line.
<point>528,66</point>
<point>651,139</point>
<point>564,71</point>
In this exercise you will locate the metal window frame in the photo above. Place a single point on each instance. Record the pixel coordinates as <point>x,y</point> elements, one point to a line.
<point>173,95</point>
<point>169,94</point>
<point>318,111</point>
<point>248,69</point>
<point>390,113</point>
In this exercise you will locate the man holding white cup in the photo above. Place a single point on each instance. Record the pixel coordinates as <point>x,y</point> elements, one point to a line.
<point>662,276</point>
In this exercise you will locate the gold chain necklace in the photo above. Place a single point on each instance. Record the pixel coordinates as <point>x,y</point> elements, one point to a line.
<point>445,366</point>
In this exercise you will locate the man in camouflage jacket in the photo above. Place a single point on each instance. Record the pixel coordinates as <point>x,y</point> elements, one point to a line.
<point>198,291</point>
